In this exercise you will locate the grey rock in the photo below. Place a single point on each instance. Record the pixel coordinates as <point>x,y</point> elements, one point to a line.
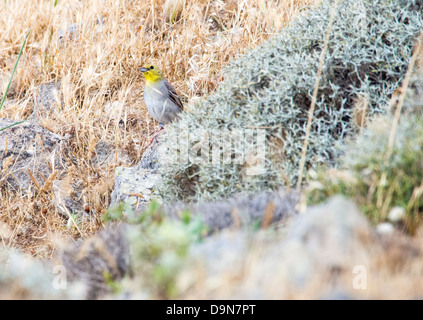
<point>98,261</point>
<point>49,98</point>
<point>72,33</point>
<point>149,157</point>
<point>25,277</point>
<point>311,257</point>
<point>220,251</point>
<point>105,154</point>
<point>316,249</point>
<point>219,267</point>
<point>329,237</point>
<point>110,247</point>
<point>29,152</point>
<point>134,186</point>
<point>240,210</point>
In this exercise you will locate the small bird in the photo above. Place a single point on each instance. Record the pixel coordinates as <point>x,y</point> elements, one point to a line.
<point>160,97</point>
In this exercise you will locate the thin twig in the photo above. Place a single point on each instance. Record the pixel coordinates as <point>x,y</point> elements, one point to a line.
<point>268,215</point>
<point>313,101</point>
<point>402,97</point>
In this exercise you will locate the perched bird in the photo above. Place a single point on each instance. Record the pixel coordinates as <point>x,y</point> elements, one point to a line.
<point>160,97</point>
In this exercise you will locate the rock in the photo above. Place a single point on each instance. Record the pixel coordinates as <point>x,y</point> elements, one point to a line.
<point>105,154</point>
<point>218,262</point>
<point>31,156</point>
<point>261,209</point>
<point>329,252</point>
<point>149,157</point>
<point>134,186</point>
<point>401,251</point>
<point>137,185</point>
<point>219,252</point>
<point>71,33</point>
<point>328,238</point>
<point>318,249</point>
<point>98,261</point>
<point>49,98</point>
<point>23,277</point>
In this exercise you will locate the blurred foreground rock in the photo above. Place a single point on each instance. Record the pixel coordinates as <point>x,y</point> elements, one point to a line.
<point>96,262</point>
<point>108,252</point>
<point>260,210</point>
<point>23,277</point>
<point>105,154</point>
<point>329,252</point>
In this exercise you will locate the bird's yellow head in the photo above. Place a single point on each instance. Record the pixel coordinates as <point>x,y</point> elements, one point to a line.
<point>152,74</point>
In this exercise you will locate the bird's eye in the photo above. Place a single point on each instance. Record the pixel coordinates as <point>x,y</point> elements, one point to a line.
<point>152,67</point>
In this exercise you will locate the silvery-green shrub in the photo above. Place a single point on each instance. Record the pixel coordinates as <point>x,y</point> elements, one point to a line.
<point>269,90</point>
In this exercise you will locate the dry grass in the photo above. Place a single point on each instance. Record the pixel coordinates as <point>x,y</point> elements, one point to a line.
<point>402,95</point>
<point>190,40</point>
<point>314,97</point>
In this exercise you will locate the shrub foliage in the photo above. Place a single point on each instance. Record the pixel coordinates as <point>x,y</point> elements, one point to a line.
<point>270,88</point>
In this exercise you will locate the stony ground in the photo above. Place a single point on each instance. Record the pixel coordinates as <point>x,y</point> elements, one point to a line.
<point>78,215</point>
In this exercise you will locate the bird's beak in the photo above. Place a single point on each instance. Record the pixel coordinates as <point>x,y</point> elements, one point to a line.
<point>143,69</point>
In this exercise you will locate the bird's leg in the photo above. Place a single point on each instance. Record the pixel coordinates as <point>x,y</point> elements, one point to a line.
<point>161,127</point>
<point>152,140</point>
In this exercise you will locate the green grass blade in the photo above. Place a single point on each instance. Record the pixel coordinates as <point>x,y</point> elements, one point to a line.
<point>14,124</point>
<point>13,71</point>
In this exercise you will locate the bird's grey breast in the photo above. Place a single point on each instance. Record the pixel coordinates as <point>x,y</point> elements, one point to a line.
<point>158,103</point>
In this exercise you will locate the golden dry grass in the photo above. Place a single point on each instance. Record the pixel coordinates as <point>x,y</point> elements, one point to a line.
<point>190,40</point>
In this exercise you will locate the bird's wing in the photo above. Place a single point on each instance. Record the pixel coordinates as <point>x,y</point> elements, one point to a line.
<point>173,96</point>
